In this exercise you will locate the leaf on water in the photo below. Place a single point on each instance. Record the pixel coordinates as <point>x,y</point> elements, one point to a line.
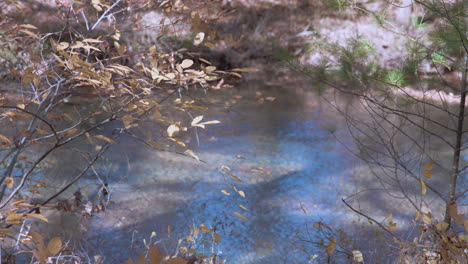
<point>243,207</point>
<point>127,120</point>
<point>302,207</point>
<point>192,154</point>
<point>54,246</point>
<point>168,229</point>
<point>225,192</point>
<point>42,131</point>
<point>417,215</point>
<point>70,132</point>
<point>9,182</point>
<point>212,122</point>
<point>428,174</point>
<point>423,188</point>
<point>357,256</point>
<point>217,238</point>
<point>154,144</point>
<point>172,130</point>
<point>225,168</point>
<point>241,216</point>
<point>155,254</point>
<point>241,193</point>
<point>234,177</point>
<point>199,38</point>
<point>39,185</point>
<point>196,120</point>
<point>5,141</point>
<point>331,246</point>
<point>186,63</point>
<point>105,139</point>
<point>391,224</point>
<point>428,166</point>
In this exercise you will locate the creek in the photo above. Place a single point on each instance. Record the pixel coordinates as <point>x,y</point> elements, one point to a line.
<point>289,163</point>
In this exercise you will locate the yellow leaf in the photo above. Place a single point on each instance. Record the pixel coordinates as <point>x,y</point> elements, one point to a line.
<point>71,132</point>
<point>14,219</point>
<point>241,216</point>
<point>423,188</point>
<point>105,138</point>
<point>5,139</point>
<point>54,246</point>
<point>42,131</point>
<point>210,45</point>
<point>241,193</point>
<point>127,120</point>
<point>417,215</point>
<point>428,174</point>
<point>38,216</point>
<point>9,182</point>
<point>186,63</point>
<point>243,207</point>
<point>225,192</point>
<point>192,154</point>
<point>441,226</point>
<point>427,218</point>
<point>331,246</point>
<point>428,166</point>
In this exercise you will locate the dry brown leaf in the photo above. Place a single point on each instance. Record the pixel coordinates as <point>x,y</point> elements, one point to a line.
<point>241,216</point>
<point>54,246</point>
<point>105,139</point>
<point>155,255</point>
<point>331,246</point>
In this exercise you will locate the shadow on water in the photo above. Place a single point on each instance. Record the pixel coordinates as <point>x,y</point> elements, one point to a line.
<point>292,165</point>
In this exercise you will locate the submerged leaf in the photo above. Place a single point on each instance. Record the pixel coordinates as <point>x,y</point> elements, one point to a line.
<point>423,188</point>
<point>331,246</point>
<point>241,216</point>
